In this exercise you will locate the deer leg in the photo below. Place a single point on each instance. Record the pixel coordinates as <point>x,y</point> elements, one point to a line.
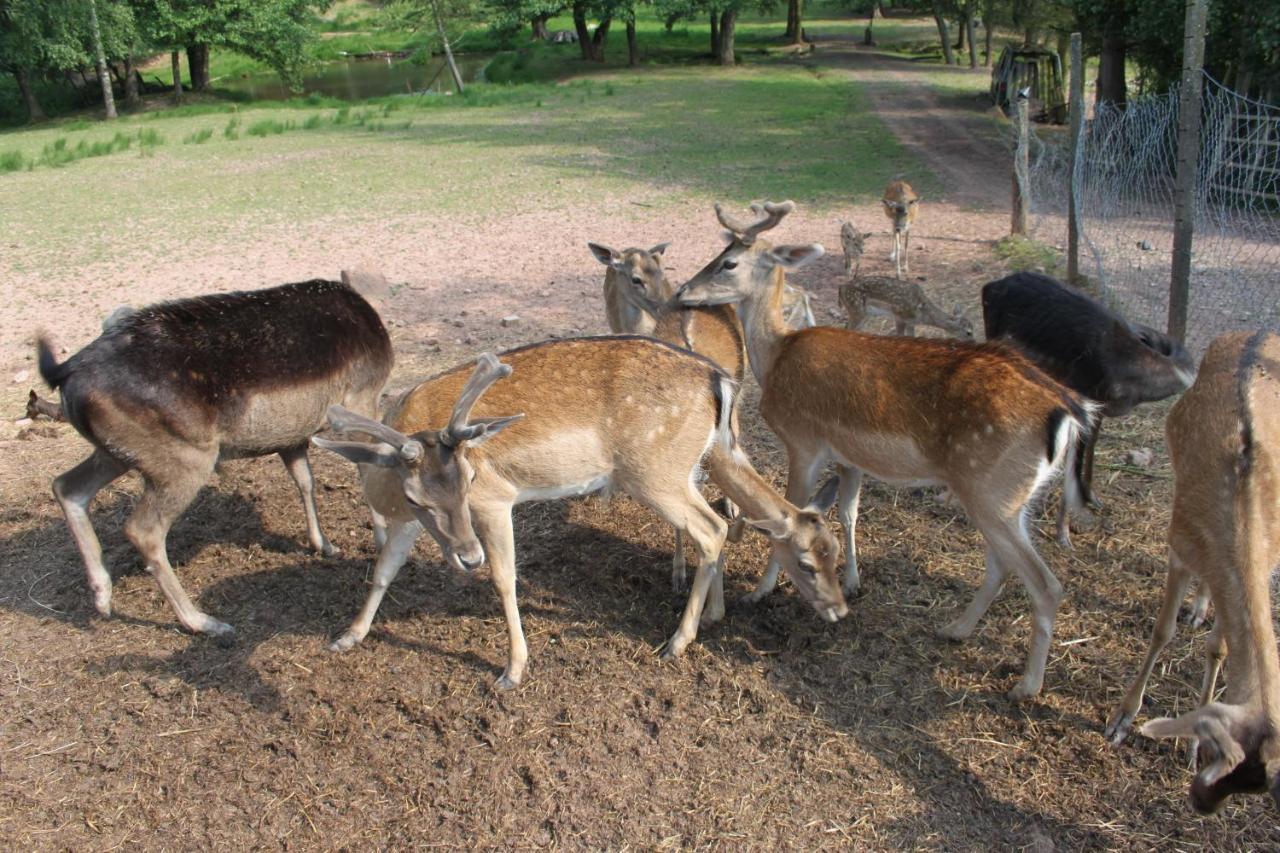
<point>1086,464</point>
<point>802,475</point>
<point>1198,613</point>
<point>163,500</point>
<point>394,553</point>
<point>706,531</point>
<point>379,528</point>
<point>905,254</point>
<point>847,508</point>
<point>1175,588</point>
<point>1215,650</point>
<point>493,527</point>
<point>75,491</point>
<point>713,612</point>
<point>963,626</point>
<point>299,468</point>
<point>677,564</point>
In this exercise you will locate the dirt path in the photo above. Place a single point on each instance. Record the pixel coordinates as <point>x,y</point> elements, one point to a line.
<point>954,134</point>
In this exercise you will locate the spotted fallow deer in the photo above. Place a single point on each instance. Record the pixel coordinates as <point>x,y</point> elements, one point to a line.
<point>172,389</point>
<point>637,293</point>
<point>978,418</point>
<point>1224,438</point>
<point>627,413</point>
<point>901,205</point>
<point>905,301</point>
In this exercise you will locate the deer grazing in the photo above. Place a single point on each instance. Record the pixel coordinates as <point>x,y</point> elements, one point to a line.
<point>626,413</point>
<point>980,419</point>
<point>171,389</point>
<point>905,301</point>
<point>1094,352</point>
<point>1224,438</point>
<point>851,241</point>
<point>901,204</point>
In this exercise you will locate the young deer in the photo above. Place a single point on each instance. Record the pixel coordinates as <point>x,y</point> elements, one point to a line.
<point>1224,438</point>
<point>980,419</point>
<point>851,241</point>
<point>631,270</point>
<point>1094,352</point>
<point>901,204</point>
<point>173,388</point>
<point>905,301</point>
<point>626,413</point>
<point>637,294</point>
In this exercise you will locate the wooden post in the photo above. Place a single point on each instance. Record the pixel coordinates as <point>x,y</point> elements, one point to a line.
<point>1184,188</point>
<point>1021,171</point>
<point>1075,106</point>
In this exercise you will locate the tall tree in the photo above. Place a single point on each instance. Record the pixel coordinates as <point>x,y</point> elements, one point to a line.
<point>108,100</point>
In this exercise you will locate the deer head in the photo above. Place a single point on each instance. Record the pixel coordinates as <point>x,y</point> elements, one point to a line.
<point>638,273</point>
<point>432,465</point>
<point>749,264</point>
<point>808,552</point>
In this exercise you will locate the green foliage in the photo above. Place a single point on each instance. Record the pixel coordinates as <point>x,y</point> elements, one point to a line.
<point>1021,254</point>
<point>268,127</point>
<point>312,122</point>
<point>232,130</point>
<point>13,161</point>
<point>198,137</point>
<point>148,140</point>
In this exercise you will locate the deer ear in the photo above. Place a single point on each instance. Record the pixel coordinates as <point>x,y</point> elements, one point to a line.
<point>795,257</point>
<point>378,453</point>
<point>659,250</point>
<point>825,497</point>
<point>779,528</point>
<point>887,203</point>
<point>479,430</point>
<point>605,255</point>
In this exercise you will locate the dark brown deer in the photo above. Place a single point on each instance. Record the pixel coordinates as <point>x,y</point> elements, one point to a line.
<point>1224,438</point>
<point>38,406</point>
<point>172,389</point>
<point>630,414</point>
<point>980,419</point>
<point>1094,352</point>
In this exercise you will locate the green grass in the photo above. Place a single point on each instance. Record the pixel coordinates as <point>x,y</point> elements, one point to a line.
<point>198,137</point>
<point>1022,254</point>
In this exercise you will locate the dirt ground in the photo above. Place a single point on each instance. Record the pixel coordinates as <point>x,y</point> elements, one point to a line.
<point>774,730</point>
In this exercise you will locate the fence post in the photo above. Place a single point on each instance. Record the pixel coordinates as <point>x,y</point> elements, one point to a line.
<point>1021,187</point>
<point>1076,109</point>
<point>1184,188</point>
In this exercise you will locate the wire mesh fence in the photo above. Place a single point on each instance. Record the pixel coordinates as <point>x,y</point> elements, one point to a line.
<point>1124,183</point>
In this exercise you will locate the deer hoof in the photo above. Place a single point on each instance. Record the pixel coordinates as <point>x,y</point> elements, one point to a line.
<point>505,682</point>
<point>346,641</point>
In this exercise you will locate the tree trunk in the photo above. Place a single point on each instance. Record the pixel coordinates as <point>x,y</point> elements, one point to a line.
<point>1111,87</point>
<point>728,19</point>
<point>973,43</point>
<point>671,20</point>
<point>1030,35</point>
<point>176,62</point>
<point>448,51</point>
<point>34,113</point>
<point>599,39</point>
<point>938,18</point>
<point>198,65</point>
<point>633,47</point>
<point>876,11</point>
<point>988,25</point>
<point>539,24</point>
<point>108,97</point>
<point>715,35</point>
<point>960,27</point>
<point>131,97</point>
<point>580,27</point>
<point>795,22</point>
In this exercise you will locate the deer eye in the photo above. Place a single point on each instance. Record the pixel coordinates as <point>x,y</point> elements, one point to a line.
<point>635,279</point>
<point>728,265</point>
<point>808,568</point>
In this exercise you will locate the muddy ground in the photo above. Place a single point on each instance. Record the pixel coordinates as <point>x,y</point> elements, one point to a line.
<point>774,730</point>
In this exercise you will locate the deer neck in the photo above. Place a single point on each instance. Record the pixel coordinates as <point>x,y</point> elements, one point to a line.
<point>761,315</point>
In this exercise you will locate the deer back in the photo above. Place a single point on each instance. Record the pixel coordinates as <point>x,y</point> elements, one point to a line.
<point>713,331</point>
<point>592,406</point>
<point>252,372</point>
<point>950,402</point>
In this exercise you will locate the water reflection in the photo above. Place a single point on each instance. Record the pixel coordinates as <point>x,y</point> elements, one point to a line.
<point>357,79</point>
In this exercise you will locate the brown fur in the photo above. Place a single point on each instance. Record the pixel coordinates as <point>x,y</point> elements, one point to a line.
<point>37,406</point>
<point>627,413</point>
<point>980,419</point>
<point>1224,438</point>
<point>901,205</point>
<point>904,300</point>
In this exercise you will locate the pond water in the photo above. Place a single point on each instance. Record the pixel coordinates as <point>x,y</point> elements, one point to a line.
<point>357,79</point>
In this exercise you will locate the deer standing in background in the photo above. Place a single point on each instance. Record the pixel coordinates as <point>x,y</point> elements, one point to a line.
<point>905,301</point>
<point>980,419</point>
<point>851,241</point>
<point>901,205</point>
<point>1224,438</point>
<point>627,413</point>
<point>171,389</point>
<point>637,270</point>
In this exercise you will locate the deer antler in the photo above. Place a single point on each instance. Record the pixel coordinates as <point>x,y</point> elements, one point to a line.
<point>488,371</point>
<point>343,420</point>
<point>770,213</point>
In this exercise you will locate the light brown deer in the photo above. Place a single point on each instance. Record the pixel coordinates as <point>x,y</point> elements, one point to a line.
<point>637,297</point>
<point>631,270</point>
<point>905,301</point>
<point>1224,438</point>
<point>980,419</point>
<point>901,204</point>
<point>626,413</point>
<point>852,241</point>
